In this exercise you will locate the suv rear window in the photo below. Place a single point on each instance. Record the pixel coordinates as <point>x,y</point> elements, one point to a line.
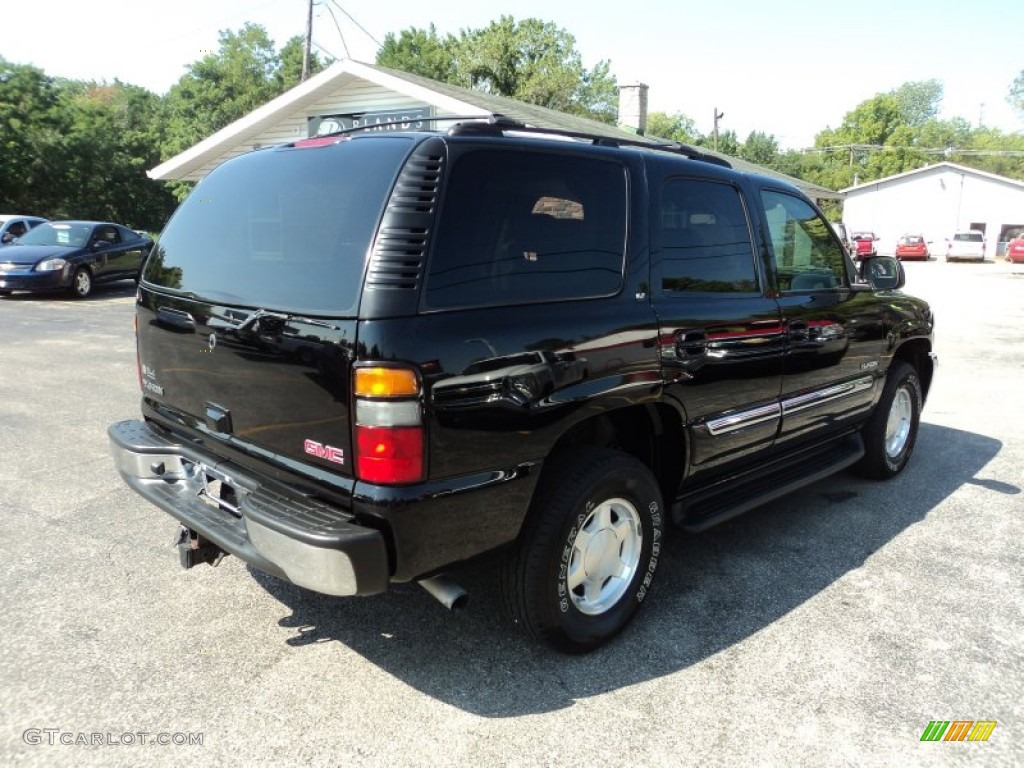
<point>968,237</point>
<point>523,227</point>
<point>285,229</point>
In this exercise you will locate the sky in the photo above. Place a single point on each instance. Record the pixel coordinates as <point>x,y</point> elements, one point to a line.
<point>788,68</point>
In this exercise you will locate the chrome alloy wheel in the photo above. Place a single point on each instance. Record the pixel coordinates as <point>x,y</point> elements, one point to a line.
<point>82,282</point>
<point>605,556</point>
<point>897,428</point>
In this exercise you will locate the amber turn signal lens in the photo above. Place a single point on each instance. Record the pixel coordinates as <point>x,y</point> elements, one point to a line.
<point>386,382</point>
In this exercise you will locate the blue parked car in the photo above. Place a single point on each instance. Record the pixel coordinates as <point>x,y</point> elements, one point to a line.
<point>72,256</point>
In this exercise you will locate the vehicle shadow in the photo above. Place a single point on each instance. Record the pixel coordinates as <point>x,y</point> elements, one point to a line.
<point>100,292</point>
<point>713,590</point>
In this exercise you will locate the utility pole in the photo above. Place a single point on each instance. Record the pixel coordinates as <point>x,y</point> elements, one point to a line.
<point>718,116</point>
<point>309,42</point>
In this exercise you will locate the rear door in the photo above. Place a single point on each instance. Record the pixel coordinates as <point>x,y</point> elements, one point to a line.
<point>721,334</point>
<point>835,332</point>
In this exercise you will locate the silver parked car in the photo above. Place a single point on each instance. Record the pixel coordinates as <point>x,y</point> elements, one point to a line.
<point>14,225</point>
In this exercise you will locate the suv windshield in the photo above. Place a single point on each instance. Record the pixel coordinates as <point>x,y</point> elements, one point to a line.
<point>286,228</point>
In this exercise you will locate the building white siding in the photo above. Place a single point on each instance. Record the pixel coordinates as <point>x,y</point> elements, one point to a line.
<point>352,97</point>
<point>935,202</point>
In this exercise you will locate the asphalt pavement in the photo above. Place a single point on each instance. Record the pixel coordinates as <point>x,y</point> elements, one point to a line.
<point>828,628</point>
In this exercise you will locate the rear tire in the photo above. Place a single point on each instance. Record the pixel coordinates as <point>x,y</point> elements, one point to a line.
<point>891,432</point>
<point>81,283</point>
<point>586,556</point>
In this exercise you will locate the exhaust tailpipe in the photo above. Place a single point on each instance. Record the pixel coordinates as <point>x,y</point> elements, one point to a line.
<point>447,592</point>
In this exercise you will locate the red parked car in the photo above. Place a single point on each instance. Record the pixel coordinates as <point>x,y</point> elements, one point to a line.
<point>865,243</point>
<point>912,247</point>
<point>1015,250</point>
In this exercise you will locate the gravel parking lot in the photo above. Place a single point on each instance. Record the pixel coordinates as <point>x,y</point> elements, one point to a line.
<point>828,628</point>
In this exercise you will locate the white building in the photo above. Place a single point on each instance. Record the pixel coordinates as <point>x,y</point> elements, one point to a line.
<point>351,93</point>
<point>936,201</point>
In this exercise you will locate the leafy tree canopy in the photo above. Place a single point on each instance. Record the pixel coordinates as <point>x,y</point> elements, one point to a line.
<point>530,60</point>
<point>245,73</point>
<point>1016,94</point>
<point>73,149</point>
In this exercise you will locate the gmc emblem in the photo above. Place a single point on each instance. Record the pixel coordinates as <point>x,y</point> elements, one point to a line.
<point>329,452</point>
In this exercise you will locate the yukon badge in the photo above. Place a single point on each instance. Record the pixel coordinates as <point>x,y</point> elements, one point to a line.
<point>329,452</point>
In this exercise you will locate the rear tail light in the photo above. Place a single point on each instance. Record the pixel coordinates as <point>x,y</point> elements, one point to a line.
<point>389,432</point>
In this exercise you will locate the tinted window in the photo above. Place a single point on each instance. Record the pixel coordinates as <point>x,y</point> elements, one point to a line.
<point>107,235</point>
<point>704,239</point>
<point>285,229</point>
<point>968,237</point>
<point>807,255</point>
<point>519,227</point>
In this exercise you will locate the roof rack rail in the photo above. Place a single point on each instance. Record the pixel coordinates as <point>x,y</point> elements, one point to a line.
<point>500,123</point>
<point>495,124</point>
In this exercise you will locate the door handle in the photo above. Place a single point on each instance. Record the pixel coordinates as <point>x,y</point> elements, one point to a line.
<point>691,343</point>
<point>797,330</point>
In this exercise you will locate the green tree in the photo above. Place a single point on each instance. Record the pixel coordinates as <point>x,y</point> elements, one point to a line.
<point>674,127</point>
<point>918,102</point>
<point>530,60</point>
<point>289,69</point>
<point>73,149</point>
<point>112,137</point>
<point>421,52</point>
<point>221,87</point>
<point>245,73</point>
<point>31,127</point>
<point>1016,94</point>
<point>760,148</point>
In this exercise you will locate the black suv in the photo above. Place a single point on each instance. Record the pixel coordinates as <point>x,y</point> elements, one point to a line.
<point>367,357</point>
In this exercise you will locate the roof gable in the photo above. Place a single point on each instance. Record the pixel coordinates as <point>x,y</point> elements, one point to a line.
<point>238,137</point>
<point>931,169</point>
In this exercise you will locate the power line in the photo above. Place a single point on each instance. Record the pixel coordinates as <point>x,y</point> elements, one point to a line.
<point>923,150</point>
<point>338,27</point>
<point>361,27</point>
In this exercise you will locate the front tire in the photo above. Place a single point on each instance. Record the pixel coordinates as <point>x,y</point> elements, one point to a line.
<point>588,551</point>
<point>81,283</point>
<point>891,432</point>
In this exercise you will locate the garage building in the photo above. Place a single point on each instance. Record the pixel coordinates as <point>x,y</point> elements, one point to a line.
<point>936,201</point>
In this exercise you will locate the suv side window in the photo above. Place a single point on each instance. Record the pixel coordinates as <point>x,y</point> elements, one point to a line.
<point>704,240</point>
<point>526,227</point>
<point>807,256</point>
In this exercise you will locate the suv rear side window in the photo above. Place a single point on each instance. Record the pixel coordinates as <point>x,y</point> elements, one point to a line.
<point>525,227</point>
<point>807,255</point>
<point>285,228</point>
<point>704,240</point>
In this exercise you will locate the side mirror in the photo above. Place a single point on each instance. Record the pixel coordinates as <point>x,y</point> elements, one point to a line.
<point>99,245</point>
<point>883,273</point>
<point>8,237</point>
